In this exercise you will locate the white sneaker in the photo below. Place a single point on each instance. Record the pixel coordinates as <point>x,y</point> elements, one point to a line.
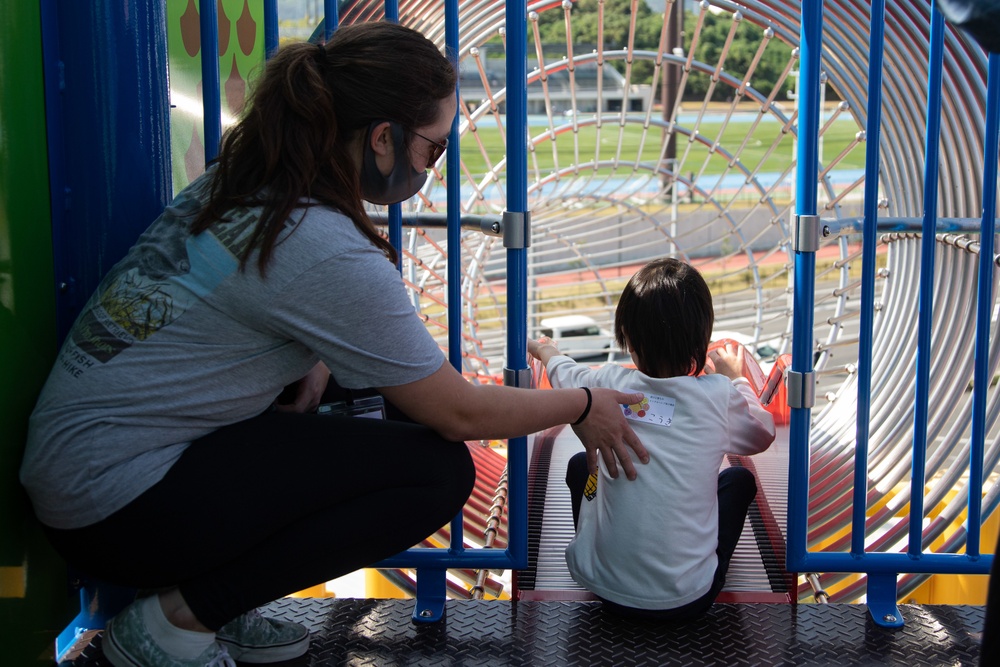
<point>255,639</point>
<point>128,643</point>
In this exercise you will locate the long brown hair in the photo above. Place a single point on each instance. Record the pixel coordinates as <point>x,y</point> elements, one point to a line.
<point>293,141</point>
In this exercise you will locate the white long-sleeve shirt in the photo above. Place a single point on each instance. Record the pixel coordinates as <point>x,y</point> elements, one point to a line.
<point>650,543</point>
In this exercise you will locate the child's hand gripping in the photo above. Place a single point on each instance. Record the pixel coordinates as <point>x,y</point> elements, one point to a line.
<point>727,360</point>
<point>542,349</point>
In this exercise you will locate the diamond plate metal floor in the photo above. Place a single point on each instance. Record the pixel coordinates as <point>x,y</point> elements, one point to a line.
<point>529,633</point>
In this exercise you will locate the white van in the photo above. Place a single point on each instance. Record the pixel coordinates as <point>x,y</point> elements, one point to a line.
<point>577,336</point>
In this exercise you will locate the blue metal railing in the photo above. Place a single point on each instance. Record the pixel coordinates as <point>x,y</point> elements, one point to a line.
<point>882,569</point>
<point>431,564</point>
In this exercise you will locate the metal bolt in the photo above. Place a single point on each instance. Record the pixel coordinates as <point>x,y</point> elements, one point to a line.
<point>889,618</point>
<point>427,613</point>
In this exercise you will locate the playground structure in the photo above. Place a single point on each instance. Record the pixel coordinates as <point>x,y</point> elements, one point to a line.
<point>601,208</point>
<point>875,371</point>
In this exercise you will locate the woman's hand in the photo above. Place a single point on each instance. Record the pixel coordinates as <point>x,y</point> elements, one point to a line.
<point>308,391</point>
<point>605,431</point>
<point>727,360</point>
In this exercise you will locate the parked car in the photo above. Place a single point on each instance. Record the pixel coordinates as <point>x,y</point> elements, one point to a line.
<point>577,336</point>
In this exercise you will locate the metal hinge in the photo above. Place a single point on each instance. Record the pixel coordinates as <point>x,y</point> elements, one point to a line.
<point>516,229</point>
<point>801,389</point>
<point>517,378</point>
<point>806,234</point>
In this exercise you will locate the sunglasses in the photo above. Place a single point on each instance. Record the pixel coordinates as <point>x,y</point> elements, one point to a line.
<point>437,148</point>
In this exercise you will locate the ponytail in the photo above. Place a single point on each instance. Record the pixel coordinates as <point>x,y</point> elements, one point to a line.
<point>295,139</point>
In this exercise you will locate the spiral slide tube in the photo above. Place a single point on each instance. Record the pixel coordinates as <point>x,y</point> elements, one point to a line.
<point>618,175</point>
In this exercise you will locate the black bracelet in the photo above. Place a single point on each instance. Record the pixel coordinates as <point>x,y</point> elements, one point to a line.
<point>586,410</point>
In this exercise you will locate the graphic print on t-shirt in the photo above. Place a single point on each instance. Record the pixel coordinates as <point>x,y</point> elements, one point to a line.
<point>590,490</point>
<point>163,274</point>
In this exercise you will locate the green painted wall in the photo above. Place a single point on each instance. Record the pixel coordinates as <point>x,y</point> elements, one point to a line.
<point>241,51</point>
<point>35,603</point>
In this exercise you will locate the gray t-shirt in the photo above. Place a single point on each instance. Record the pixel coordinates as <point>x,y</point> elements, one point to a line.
<point>178,342</point>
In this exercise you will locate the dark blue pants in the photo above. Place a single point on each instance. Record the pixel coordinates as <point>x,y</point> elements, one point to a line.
<point>737,489</point>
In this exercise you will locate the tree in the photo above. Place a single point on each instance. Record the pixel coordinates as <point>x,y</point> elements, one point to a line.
<point>649,24</point>
<point>748,36</point>
<point>617,19</point>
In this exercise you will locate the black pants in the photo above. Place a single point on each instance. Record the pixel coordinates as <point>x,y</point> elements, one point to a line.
<point>275,504</point>
<point>737,489</point>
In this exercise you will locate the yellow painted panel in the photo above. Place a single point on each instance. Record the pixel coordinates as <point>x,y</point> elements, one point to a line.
<point>961,588</point>
<point>13,581</point>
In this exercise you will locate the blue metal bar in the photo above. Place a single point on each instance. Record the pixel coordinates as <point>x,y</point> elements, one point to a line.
<point>517,264</point>
<point>893,563</point>
<point>517,186</point>
<point>810,56</point>
<point>432,593</point>
<point>984,304</point>
<point>210,93</point>
<point>331,18</point>
<point>869,247</point>
<point>395,211</point>
<point>926,297</point>
<point>903,224</point>
<point>454,199</point>
<point>470,558</point>
<point>881,595</point>
<point>270,27</point>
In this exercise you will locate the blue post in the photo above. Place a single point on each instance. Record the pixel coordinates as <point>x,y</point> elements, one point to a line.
<point>981,378</point>
<point>331,18</point>
<point>103,140</point>
<point>210,93</point>
<point>454,194</point>
<point>454,197</point>
<point>270,27</point>
<point>395,211</point>
<point>108,142</point>
<point>810,56</point>
<point>517,265</point>
<point>926,296</point>
<point>869,247</point>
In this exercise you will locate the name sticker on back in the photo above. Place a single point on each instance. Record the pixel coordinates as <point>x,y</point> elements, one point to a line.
<point>658,410</point>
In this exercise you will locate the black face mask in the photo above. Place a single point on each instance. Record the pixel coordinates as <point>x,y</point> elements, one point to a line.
<point>402,182</point>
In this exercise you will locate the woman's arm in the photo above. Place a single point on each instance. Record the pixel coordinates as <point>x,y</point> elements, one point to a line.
<point>458,410</point>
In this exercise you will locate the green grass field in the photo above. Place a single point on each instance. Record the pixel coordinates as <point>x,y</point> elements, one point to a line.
<point>839,136</point>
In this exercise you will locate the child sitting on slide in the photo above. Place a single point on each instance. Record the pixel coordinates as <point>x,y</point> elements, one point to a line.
<point>659,546</point>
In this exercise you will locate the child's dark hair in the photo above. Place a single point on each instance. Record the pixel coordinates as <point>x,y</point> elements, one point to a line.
<point>665,317</point>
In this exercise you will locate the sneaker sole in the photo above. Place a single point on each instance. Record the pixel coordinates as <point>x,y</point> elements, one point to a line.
<point>264,654</point>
